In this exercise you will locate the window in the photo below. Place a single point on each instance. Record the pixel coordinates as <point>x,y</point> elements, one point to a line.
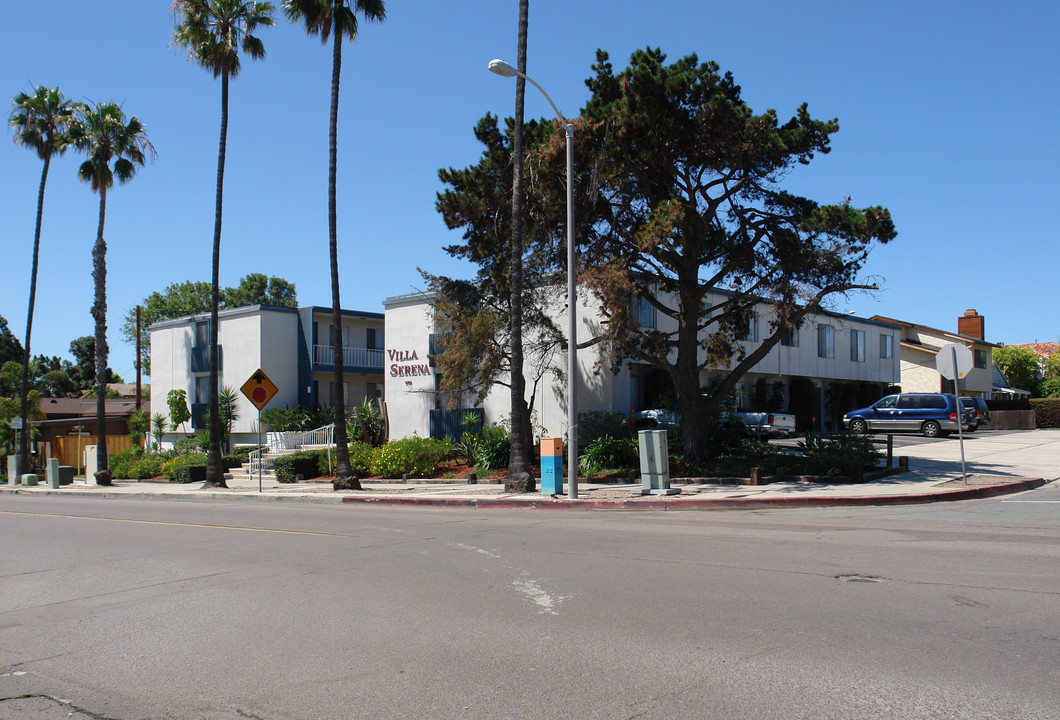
<point>857,345</point>
<point>202,334</point>
<point>202,389</point>
<point>825,341</point>
<point>752,328</point>
<point>373,391</point>
<point>345,394</point>
<point>980,358</point>
<point>645,313</point>
<point>345,336</point>
<point>374,340</point>
<point>790,338</point>
<point>886,347</point>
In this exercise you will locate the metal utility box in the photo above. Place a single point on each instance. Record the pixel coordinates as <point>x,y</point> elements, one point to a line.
<point>654,463</point>
<point>551,466</point>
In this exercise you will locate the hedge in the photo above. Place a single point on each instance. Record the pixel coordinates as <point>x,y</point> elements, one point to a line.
<point>308,464</point>
<point>1046,412</point>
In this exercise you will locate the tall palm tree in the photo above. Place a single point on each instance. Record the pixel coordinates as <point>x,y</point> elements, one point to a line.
<point>115,148</point>
<point>335,19</point>
<point>40,122</point>
<point>520,478</point>
<point>215,32</point>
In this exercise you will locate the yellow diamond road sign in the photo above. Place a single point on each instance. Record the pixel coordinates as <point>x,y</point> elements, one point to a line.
<point>259,389</point>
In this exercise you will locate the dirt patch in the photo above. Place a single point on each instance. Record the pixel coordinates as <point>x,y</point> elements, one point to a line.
<point>982,480</point>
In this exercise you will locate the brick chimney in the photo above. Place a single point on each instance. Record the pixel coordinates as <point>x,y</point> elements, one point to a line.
<point>971,323</point>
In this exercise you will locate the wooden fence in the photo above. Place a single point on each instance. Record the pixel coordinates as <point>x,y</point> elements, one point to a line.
<point>69,449</point>
<point>1011,420</point>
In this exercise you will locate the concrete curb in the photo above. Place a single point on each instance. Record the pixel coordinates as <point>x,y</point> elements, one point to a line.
<point>657,503</point>
<point>678,503</point>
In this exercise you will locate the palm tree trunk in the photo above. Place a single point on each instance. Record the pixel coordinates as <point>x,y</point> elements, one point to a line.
<point>344,477</point>
<point>99,312</point>
<point>520,478</point>
<point>25,441</point>
<point>215,474</point>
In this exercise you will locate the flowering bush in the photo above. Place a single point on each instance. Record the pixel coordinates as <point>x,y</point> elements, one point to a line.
<point>361,454</point>
<point>416,457</point>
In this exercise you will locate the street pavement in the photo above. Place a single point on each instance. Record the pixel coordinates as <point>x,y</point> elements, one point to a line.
<point>994,462</point>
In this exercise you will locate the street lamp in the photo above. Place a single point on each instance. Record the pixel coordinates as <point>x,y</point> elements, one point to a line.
<point>506,70</point>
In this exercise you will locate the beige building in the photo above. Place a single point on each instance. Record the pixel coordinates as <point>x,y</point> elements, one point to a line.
<point>919,344</point>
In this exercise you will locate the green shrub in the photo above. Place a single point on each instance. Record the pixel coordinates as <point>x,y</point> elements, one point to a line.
<point>135,465</point>
<point>177,468</point>
<point>361,455</point>
<point>304,463</point>
<point>243,451</point>
<point>186,444</point>
<point>416,457</point>
<point>606,452</point>
<point>839,455</point>
<point>595,424</point>
<point>494,447</point>
<point>1046,412</point>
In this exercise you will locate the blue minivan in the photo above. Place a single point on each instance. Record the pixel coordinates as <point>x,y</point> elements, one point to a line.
<point>931,414</point>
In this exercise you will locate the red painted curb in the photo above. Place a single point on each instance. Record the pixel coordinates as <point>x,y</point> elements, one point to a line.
<point>676,503</point>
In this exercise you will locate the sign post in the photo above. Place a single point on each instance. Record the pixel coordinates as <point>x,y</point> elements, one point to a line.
<point>954,361</point>
<point>259,390</point>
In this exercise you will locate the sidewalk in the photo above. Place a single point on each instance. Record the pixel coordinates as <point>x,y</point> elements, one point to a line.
<point>997,463</point>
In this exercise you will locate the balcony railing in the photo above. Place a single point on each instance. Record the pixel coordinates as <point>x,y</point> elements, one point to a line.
<point>364,358</point>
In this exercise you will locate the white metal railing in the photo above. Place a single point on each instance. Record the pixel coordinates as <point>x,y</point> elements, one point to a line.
<point>279,444</point>
<point>351,356</point>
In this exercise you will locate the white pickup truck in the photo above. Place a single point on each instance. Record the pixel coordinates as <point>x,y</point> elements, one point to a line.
<point>768,424</point>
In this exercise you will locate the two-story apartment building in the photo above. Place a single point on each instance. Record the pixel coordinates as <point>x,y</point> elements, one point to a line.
<point>920,344</point>
<point>293,347</point>
<point>828,348</point>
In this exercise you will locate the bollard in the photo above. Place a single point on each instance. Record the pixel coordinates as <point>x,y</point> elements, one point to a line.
<point>754,476</point>
<point>903,462</point>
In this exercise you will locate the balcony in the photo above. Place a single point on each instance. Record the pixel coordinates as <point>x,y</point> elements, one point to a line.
<point>365,360</point>
<point>200,358</point>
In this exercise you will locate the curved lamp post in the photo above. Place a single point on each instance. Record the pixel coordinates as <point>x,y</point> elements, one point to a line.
<point>506,70</point>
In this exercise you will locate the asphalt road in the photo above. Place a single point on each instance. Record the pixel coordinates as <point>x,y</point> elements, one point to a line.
<point>131,609</point>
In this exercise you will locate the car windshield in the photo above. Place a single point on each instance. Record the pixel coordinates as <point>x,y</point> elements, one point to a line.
<point>887,402</point>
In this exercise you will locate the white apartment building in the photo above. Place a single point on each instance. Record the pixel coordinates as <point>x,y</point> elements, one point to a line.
<point>293,347</point>
<point>828,347</point>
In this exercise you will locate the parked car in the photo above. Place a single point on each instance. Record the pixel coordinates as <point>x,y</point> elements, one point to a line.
<point>754,424</point>
<point>982,413</point>
<point>931,414</point>
<point>656,419</point>
<point>773,424</point>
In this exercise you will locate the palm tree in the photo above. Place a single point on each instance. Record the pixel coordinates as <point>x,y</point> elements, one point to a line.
<point>104,135</point>
<point>335,19</point>
<point>215,31</point>
<point>40,121</point>
<point>520,478</point>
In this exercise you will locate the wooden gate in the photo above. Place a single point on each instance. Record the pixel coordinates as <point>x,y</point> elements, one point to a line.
<point>69,449</point>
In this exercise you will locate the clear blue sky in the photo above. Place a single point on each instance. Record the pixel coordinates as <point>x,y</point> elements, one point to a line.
<point>948,116</point>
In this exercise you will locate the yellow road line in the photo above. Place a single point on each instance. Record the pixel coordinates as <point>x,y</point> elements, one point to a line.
<point>177,524</point>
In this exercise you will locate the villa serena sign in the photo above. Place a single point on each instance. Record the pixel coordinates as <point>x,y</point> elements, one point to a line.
<point>406,363</point>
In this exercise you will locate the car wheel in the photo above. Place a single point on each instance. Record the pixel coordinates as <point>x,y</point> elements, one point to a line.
<point>859,426</point>
<point>931,429</point>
